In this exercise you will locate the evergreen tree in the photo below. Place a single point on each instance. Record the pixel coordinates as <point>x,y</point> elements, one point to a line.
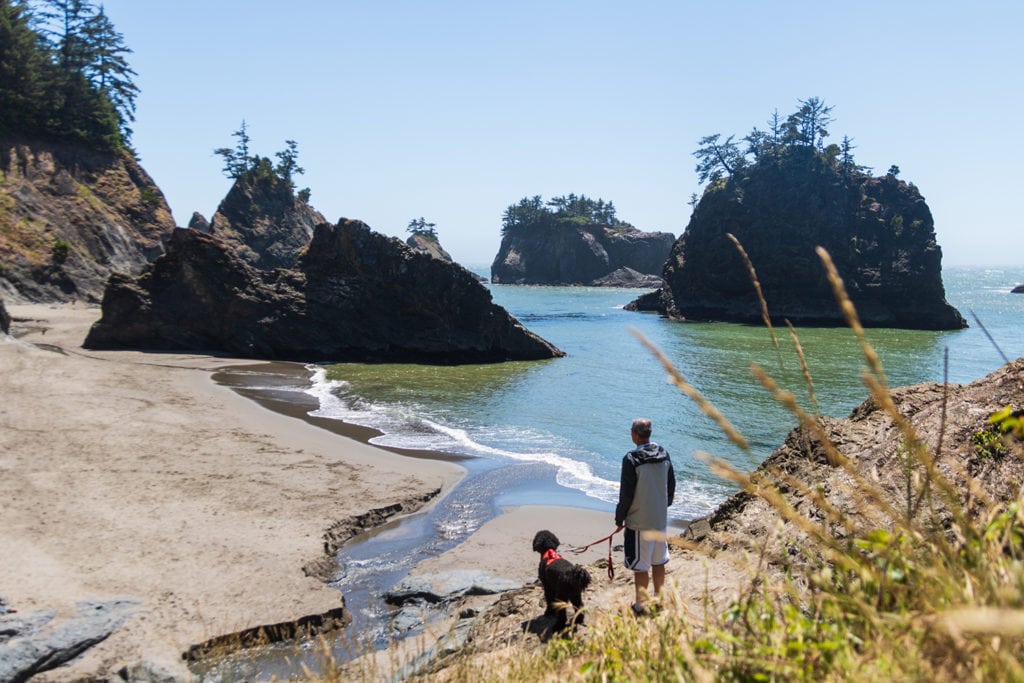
<point>714,158</point>
<point>289,162</point>
<point>108,70</point>
<point>419,226</point>
<point>238,161</point>
<point>26,75</point>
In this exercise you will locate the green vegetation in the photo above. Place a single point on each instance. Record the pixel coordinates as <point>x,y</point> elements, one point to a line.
<point>240,163</point>
<point>63,74</point>
<point>533,212</point>
<point>800,137</point>
<point>60,250</point>
<point>418,226</point>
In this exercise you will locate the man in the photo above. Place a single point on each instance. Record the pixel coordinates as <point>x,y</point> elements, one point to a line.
<point>646,489</point>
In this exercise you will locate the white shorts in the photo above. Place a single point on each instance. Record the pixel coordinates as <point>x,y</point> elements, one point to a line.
<point>645,549</point>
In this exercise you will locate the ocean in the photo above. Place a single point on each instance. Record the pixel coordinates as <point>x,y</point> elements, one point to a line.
<point>567,420</point>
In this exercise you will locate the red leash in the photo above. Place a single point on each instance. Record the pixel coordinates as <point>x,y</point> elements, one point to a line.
<point>611,565</point>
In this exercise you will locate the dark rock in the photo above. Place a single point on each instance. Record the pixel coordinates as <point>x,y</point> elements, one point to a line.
<point>1019,289</point>
<point>264,221</point>
<point>40,642</point>
<point>568,253</point>
<point>446,586</point>
<point>878,231</point>
<point>5,328</point>
<point>355,295</point>
<point>199,222</point>
<point>71,217</point>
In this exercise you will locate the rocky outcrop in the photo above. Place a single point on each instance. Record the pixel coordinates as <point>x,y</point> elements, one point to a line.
<point>878,231</point>
<point>5,318</point>
<point>69,217</point>
<point>355,295</point>
<point>199,222</point>
<point>428,244</point>
<point>1019,289</point>
<point>264,221</point>
<point>570,253</point>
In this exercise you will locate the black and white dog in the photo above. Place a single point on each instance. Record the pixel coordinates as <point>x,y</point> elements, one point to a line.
<point>563,581</point>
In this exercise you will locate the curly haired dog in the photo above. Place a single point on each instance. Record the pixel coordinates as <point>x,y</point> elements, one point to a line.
<point>563,581</point>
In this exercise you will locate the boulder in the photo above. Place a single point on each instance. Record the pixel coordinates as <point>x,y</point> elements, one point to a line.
<point>878,231</point>
<point>72,216</point>
<point>566,252</point>
<point>355,295</point>
<point>264,221</point>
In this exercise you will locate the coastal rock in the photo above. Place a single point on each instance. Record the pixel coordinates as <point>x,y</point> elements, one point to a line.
<point>878,231</point>
<point>199,222</point>
<point>1019,289</point>
<point>264,221</point>
<point>875,445</point>
<point>627,277</point>
<point>570,253</point>
<point>446,586</point>
<point>428,244</point>
<point>40,641</point>
<point>5,320</point>
<point>72,216</point>
<point>355,295</point>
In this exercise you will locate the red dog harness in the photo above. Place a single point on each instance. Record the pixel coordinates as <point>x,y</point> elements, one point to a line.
<point>550,556</point>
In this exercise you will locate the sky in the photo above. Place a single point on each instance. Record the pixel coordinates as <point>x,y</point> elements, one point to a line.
<point>453,111</point>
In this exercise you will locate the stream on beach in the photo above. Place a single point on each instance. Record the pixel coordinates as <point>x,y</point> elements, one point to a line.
<point>554,432</point>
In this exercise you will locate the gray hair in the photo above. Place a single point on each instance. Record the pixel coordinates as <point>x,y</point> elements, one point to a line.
<point>642,427</point>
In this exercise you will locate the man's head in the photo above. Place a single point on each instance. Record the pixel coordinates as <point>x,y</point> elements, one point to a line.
<point>641,430</point>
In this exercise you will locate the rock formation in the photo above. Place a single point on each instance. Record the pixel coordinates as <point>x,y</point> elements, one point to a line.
<point>428,244</point>
<point>878,231</point>
<point>5,318</point>
<point>264,221</point>
<point>570,253</point>
<point>69,217</point>
<point>354,295</point>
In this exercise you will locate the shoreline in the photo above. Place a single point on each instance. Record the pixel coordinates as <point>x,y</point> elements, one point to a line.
<point>149,476</point>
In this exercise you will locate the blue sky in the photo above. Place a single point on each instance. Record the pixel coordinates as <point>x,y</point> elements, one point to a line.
<point>455,110</point>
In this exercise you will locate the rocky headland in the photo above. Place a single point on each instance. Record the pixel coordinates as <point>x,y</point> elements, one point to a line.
<point>70,216</point>
<point>354,295</point>
<point>878,231</point>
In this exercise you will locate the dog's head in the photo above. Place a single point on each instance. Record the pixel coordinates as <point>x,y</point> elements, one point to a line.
<point>545,540</point>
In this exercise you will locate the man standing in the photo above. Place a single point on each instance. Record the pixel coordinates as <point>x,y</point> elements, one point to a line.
<point>646,489</point>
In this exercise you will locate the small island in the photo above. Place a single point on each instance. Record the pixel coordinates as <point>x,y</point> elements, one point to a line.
<point>782,195</point>
<point>575,240</point>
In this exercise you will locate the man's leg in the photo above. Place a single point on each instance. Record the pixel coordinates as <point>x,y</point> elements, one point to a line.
<point>640,583</point>
<point>658,574</point>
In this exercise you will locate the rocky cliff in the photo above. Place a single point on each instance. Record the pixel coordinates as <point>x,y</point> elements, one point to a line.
<point>354,295</point>
<point>573,253</point>
<point>879,232</point>
<point>262,219</point>
<point>69,217</point>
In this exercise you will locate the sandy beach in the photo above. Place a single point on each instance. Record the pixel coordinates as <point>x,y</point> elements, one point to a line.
<point>134,476</point>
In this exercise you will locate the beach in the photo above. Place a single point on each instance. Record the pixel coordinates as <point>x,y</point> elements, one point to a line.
<point>135,477</point>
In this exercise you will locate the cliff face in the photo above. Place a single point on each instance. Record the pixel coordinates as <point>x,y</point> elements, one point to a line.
<point>263,220</point>
<point>354,295</point>
<point>69,217</point>
<point>878,231</point>
<point>569,253</point>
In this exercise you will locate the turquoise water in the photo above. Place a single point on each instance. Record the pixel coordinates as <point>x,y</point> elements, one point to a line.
<point>570,417</point>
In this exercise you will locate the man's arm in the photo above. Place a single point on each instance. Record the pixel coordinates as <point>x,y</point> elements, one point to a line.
<point>671,483</point>
<point>627,489</point>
